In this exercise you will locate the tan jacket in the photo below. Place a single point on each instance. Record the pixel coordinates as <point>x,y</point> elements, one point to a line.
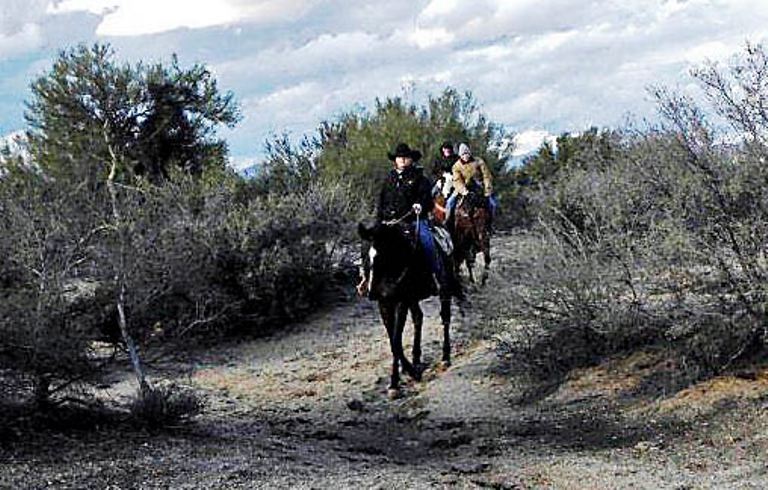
<point>474,169</point>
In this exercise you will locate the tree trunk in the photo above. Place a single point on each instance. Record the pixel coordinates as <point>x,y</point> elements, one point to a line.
<point>133,352</point>
<point>42,392</point>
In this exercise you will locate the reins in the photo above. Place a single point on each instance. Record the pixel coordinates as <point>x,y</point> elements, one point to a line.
<point>402,218</point>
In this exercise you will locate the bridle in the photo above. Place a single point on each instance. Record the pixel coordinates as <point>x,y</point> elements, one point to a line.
<point>394,222</point>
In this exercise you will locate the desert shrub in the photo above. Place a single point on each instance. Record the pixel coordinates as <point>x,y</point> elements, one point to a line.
<point>116,233</point>
<point>659,240</point>
<point>166,405</point>
<point>47,236</point>
<point>285,249</point>
<point>194,260</point>
<point>199,261</point>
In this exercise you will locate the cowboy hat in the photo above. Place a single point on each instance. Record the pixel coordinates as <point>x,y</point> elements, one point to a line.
<point>403,150</point>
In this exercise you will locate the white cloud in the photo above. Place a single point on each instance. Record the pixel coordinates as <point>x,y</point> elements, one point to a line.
<point>437,8</point>
<point>16,15</point>
<point>23,40</point>
<point>560,64</point>
<point>139,17</point>
<point>426,38</point>
<point>19,26</point>
<point>15,144</point>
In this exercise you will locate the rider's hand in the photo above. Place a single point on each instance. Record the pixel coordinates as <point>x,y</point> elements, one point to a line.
<point>417,208</point>
<point>362,288</point>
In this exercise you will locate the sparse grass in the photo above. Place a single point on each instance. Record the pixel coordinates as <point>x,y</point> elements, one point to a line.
<point>166,405</point>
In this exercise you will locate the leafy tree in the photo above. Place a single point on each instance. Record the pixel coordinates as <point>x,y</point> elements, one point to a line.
<point>154,118</point>
<point>354,147</point>
<point>99,133</point>
<point>184,107</point>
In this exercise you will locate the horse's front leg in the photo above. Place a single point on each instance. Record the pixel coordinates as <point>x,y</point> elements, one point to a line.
<point>486,244</point>
<point>445,316</point>
<point>484,241</point>
<point>401,314</point>
<point>418,319</point>
<point>387,311</point>
<point>470,262</point>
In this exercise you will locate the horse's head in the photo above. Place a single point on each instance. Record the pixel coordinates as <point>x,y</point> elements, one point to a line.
<point>389,259</point>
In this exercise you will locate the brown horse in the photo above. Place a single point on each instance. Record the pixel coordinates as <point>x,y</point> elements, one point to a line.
<point>470,234</point>
<point>439,210</point>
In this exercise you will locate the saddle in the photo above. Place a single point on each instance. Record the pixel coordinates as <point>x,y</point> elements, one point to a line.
<point>440,235</point>
<point>443,239</point>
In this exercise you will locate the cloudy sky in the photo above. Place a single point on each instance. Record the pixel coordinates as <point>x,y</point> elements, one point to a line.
<point>538,66</point>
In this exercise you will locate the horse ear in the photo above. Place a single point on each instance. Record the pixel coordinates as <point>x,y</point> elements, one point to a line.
<point>366,230</point>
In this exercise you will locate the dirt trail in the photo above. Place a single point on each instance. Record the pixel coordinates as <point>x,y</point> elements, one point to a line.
<point>306,408</point>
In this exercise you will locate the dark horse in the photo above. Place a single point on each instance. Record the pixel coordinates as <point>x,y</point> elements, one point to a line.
<point>471,235</point>
<point>398,277</point>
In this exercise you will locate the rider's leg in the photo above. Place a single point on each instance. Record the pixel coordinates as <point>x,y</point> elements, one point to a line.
<point>450,206</point>
<point>427,242</point>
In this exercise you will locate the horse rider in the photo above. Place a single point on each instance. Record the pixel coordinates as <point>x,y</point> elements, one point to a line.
<point>442,167</point>
<point>471,174</point>
<point>406,199</point>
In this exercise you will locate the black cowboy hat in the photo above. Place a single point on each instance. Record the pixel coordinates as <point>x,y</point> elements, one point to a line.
<point>403,150</point>
<point>447,144</point>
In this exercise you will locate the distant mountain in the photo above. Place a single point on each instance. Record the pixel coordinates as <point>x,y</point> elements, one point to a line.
<point>528,143</point>
<point>249,172</point>
<point>13,146</point>
<point>15,142</point>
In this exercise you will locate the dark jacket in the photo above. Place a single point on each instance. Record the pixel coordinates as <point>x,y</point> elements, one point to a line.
<point>400,191</point>
<point>441,165</point>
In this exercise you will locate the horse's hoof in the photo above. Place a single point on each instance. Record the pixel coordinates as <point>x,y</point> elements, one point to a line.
<point>443,365</point>
<point>393,393</point>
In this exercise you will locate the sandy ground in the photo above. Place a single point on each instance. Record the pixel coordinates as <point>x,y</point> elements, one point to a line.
<point>306,408</point>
